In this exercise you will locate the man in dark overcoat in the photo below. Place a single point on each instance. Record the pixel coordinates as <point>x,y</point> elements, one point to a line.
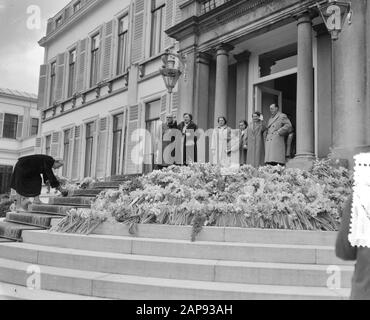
<point>26,177</point>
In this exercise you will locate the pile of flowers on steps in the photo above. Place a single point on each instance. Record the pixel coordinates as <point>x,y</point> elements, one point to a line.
<point>202,195</point>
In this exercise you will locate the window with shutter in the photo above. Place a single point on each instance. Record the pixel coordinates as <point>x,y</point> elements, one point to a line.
<point>81,65</point>
<point>107,50</point>
<point>53,69</point>
<point>34,128</point>
<point>170,14</point>
<point>55,145</point>
<point>72,72</point>
<point>102,148</point>
<point>76,153</point>
<point>122,45</point>
<point>43,80</point>
<point>95,59</point>
<point>138,32</point>
<point>48,145</point>
<point>1,124</point>
<point>132,161</point>
<point>20,127</point>
<point>178,14</point>
<point>38,146</point>
<point>10,125</point>
<point>157,26</point>
<point>59,90</point>
<point>117,144</point>
<point>66,151</point>
<point>89,145</point>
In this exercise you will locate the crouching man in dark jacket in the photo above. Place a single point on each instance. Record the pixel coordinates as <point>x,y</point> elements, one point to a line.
<point>345,251</point>
<point>26,178</point>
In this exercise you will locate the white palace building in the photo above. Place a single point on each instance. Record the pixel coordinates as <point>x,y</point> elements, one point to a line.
<point>100,80</point>
<point>19,127</point>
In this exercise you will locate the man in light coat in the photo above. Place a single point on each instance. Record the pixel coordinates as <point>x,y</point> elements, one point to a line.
<point>279,126</point>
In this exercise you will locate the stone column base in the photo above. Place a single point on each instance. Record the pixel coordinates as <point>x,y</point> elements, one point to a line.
<point>303,163</point>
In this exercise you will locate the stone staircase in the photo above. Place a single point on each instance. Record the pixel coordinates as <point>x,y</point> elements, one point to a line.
<point>40,217</point>
<point>161,262</point>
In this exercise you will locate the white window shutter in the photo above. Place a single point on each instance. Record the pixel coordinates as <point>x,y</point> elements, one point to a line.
<point>175,106</point>
<point>178,15</point>
<point>43,82</point>
<point>163,108</point>
<point>102,155</point>
<point>55,144</point>
<point>20,127</point>
<point>1,124</point>
<point>38,146</point>
<point>137,53</point>
<point>107,50</point>
<point>170,14</point>
<point>59,87</point>
<point>81,65</point>
<point>132,167</point>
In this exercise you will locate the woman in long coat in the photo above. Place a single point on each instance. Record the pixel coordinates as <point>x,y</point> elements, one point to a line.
<point>221,143</point>
<point>188,129</point>
<point>26,178</point>
<point>256,141</point>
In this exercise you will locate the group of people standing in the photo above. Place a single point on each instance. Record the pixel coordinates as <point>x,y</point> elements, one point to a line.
<point>254,144</point>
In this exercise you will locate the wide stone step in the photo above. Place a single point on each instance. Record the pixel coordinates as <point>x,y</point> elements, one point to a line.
<point>33,219</point>
<point>241,235</point>
<point>85,193</point>
<point>13,231</point>
<point>72,201</point>
<point>107,185</point>
<point>123,178</point>
<point>14,292</point>
<point>50,209</point>
<point>176,268</point>
<point>247,252</point>
<point>115,286</point>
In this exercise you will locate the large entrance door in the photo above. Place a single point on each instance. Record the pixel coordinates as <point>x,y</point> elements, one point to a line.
<point>281,90</point>
<point>265,97</point>
<point>152,126</point>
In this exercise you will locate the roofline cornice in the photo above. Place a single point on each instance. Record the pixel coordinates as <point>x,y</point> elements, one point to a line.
<point>78,15</point>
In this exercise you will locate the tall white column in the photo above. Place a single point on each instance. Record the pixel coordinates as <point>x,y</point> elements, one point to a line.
<point>222,77</point>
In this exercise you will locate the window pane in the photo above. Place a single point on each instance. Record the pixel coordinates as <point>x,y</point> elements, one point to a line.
<point>122,43</point>
<point>66,152</point>
<point>156,45</point>
<point>95,60</point>
<point>89,148</point>
<point>10,126</point>
<point>35,127</point>
<point>123,24</point>
<point>52,82</point>
<point>72,73</point>
<point>48,145</point>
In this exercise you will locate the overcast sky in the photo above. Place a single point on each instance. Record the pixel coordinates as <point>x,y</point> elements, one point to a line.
<point>20,54</point>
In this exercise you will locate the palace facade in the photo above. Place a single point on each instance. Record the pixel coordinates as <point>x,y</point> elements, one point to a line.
<point>100,80</point>
<point>19,127</point>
